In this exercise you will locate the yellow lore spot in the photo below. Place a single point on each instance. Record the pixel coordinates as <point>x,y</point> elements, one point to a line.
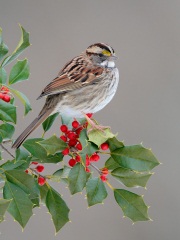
<point>105,52</point>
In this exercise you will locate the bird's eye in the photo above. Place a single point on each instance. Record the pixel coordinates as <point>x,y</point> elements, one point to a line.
<point>100,55</point>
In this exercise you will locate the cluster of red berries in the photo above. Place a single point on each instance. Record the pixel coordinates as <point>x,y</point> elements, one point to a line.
<point>4,94</point>
<point>95,157</point>
<point>39,168</point>
<point>71,137</point>
<point>104,173</point>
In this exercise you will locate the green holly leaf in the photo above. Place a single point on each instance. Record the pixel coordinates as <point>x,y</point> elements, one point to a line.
<point>65,119</point>
<point>3,46</point>
<point>34,148</point>
<point>13,164</point>
<point>3,76</point>
<point>57,208</point>
<point>19,72</point>
<point>49,121</point>
<point>98,137</point>
<point>114,143</point>
<point>7,112</point>
<point>6,131</point>
<point>26,182</point>
<point>43,193</point>
<point>131,178</point>
<point>65,174</point>
<point>77,178</point>
<point>23,99</point>
<point>111,164</point>
<point>83,157</point>
<point>62,174</point>
<point>135,157</point>
<point>4,204</point>
<point>23,44</point>
<point>53,144</point>
<point>88,148</point>
<point>21,154</point>
<point>39,153</point>
<point>132,205</point>
<point>96,191</point>
<point>56,177</point>
<point>20,206</point>
<point>56,158</point>
<point>83,138</point>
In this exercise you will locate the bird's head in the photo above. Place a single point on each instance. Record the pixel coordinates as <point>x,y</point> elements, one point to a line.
<point>101,54</point>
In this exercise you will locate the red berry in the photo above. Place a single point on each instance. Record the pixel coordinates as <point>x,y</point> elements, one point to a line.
<point>65,151</point>
<point>64,128</point>
<point>40,168</point>
<point>103,178</point>
<point>72,162</point>
<point>6,98</point>
<point>41,181</point>
<point>87,161</point>
<point>1,95</point>
<point>68,131</point>
<point>35,163</point>
<point>89,115</point>
<point>72,142</point>
<point>64,138</point>
<point>104,146</point>
<point>71,135</point>
<point>78,158</point>
<point>95,157</point>
<point>75,124</point>
<point>26,171</point>
<point>4,89</point>
<point>87,169</point>
<point>78,131</point>
<point>79,146</point>
<point>104,171</point>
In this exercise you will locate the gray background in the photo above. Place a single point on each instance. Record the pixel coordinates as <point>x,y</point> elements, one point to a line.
<point>146,37</point>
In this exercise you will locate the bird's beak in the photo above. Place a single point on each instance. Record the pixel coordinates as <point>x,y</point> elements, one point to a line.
<point>113,58</point>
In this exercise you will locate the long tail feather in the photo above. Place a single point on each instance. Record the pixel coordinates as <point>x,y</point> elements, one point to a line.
<point>37,121</point>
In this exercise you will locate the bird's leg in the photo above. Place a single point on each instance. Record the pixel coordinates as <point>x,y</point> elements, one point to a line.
<point>94,125</point>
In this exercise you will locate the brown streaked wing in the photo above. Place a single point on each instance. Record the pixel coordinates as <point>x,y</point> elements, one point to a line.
<point>72,80</point>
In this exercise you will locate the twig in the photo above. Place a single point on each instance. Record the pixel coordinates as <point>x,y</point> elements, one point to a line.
<point>32,170</point>
<point>97,169</point>
<point>5,149</point>
<point>109,185</point>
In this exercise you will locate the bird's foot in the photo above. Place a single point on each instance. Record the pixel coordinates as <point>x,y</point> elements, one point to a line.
<point>94,125</point>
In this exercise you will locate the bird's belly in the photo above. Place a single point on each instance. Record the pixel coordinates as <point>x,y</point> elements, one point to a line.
<point>89,99</point>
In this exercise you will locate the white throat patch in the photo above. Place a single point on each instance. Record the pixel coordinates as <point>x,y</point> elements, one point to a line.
<point>109,64</point>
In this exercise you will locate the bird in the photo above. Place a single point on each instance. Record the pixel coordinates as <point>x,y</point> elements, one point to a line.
<point>86,84</point>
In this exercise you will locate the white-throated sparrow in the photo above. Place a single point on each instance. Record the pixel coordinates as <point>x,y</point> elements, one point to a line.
<point>86,84</point>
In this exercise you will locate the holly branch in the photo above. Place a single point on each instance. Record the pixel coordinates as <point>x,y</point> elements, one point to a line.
<point>77,147</point>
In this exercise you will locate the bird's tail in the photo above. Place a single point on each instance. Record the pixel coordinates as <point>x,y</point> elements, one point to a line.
<point>37,121</point>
